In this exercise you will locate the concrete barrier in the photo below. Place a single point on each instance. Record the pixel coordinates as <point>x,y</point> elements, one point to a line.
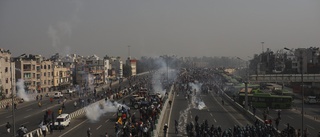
<point>157,130</point>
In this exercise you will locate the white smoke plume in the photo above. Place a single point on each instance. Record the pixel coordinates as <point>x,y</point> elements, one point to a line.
<point>21,92</point>
<point>196,90</point>
<point>162,73</point>
<point>94,112</point>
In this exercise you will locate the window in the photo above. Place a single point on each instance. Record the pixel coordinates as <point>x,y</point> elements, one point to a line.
<point>6,91</point>
<point>34,83</point>
<point>41,66</point>
<point>48,74</point>
<point>45,67</point>
<point>48,66</point>
<point>33,67</point>
<point>6,69</point>
<point>7,81</point>
<point>34,75</point>
<point>45,82</point>
<point>49,82</point>
<point>44,73</point>
<point>57,81</point>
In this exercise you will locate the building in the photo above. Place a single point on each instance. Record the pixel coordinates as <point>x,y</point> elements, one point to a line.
<point>133,64</point>
<point>7,73</point>
<point>46,76</point>
<point>61,76</point>
<point>116,64</point>
<point>30,71</point>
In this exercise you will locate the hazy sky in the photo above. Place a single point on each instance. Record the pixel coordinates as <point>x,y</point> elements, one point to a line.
<point>157,27</point>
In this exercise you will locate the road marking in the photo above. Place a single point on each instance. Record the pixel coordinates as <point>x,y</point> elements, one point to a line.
<point>310,126</point>
<point>170,114</point>
<point>24,123</point>
<point>215,120</point>
<point>27,116</point>
<point>9,116</point>
<point>114,114</point>
<point>290,117</point>
<point>227,111</point>
<point>106,121</point>
<point>99,127</point>
<point>211,114</point>
<point>73,128</point>
<point>29,109</point>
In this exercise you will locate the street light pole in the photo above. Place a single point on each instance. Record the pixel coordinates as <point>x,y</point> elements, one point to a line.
<point>246,85</point>
<point>13,120</point>
<point>302,88</point>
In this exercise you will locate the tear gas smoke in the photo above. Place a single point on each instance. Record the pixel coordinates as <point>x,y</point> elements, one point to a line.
<point>21,92</point>
<point>94,112</point>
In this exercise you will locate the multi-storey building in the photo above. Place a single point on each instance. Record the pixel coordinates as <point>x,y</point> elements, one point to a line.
<point>133,64</point>
<point>46,76</point>
<point>7,73</point>
<point>30,71</point>
<point>116,64</point>
<point>61,76</point>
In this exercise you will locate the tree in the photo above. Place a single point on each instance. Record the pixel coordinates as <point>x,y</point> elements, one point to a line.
<point>127,70</point>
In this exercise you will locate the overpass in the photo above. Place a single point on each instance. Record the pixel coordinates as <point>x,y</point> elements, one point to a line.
<point>285,78</point>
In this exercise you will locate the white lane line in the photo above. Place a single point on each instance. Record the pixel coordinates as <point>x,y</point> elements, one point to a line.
<point>227,111</point>
<point>311,127</point>
<point>106,121</point>
<point>99,127</point>
<point>29,109</point>
<point>27,116</point>
<point>215,120</point>
<point>9,116</point>
<point>73,128</point>
<point>24,123</point>
<point>211,114</point>
<point>290,117</point>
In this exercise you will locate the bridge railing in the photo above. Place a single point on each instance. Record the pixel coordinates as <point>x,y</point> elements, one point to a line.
<point>285,78</point>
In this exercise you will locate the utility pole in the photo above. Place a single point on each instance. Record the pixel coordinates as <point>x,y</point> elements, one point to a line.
<point>13,121</point>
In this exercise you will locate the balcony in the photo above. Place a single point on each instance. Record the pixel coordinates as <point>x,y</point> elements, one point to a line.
<point>27,69</point>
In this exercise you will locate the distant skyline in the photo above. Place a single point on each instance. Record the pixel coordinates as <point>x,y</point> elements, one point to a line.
<point>152,28</point>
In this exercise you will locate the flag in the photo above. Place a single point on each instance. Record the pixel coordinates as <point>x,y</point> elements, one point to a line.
<point>120,121</point>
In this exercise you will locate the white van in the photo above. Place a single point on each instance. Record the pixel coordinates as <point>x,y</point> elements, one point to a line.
<point>311,100</point>
<point>64,120</point>
<point>57,95</point>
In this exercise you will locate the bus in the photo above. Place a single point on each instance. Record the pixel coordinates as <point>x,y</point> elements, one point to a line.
<point>264,100</point>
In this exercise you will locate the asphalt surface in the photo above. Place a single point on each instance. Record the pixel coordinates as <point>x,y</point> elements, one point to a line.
<point>30,114</point>
<point>184,111</point>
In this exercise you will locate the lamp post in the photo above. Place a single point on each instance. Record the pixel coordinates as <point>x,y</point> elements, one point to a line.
<point>246,85</point>
<point>13,120</point>
<point>302,88</point>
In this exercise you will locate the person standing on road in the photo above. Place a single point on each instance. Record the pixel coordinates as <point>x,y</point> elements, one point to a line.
<point>8,126</point>
<point>196,118</point>
<point>51,100</point>
<point>165,128</point>
<point>89,132</point>
<point>44,130</point>
<point>39,104</point>
<point>75,104</point>
<point>170,102</point>
<point>176,126</point>
<point>60,111</point>
<point>15,105</point>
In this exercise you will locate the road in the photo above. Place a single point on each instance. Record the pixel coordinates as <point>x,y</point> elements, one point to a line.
<point>30,115</point>
<point>184,111</point>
